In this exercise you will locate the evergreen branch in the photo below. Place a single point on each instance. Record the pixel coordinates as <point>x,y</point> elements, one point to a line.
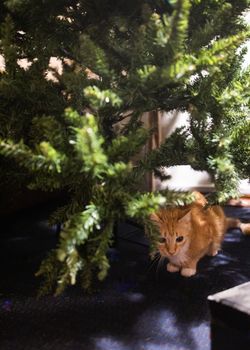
<point>47,128</point>
<point>179,26</point>
<point>177,198</point>
<point>125,147</point>
<point>172,151</point>
<point>93,56</point>
<point>68,271</point>
<point>49,160</point>
<point>65,212</point>
<point>145,204</point>
<point>48,270</point>
<point>159,28</point>
<point>223,171</point>
<point>88,146</point>
<point>118,170</point>
<point>240,148</point>
<point>133,124</point>
<point>100,256</point>
<point>220,50</point>
<point>77,230</point>
<point>206,27</point>
<point>236,94</point>
<point>101,98</point>
<point>74,234</point>
<point>72,119</point>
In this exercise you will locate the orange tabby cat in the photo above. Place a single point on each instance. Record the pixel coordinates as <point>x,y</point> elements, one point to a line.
<point>188,233</point>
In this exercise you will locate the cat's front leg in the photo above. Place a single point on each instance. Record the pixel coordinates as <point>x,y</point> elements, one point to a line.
<point>213,249</point>
<point>189,270</point>
<point>172,268</point>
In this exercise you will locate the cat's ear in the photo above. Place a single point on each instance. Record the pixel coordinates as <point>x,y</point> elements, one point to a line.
<point>185,219</point>
<point>155,218</point>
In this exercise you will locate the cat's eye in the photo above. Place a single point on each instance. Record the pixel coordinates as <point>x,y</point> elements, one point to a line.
<point>162,239</point>
<point>179,239</point>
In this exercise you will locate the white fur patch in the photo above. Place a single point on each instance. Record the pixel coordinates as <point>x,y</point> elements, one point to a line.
<point>181,257</point>
<point>187,272</point>
<point>172,268</point>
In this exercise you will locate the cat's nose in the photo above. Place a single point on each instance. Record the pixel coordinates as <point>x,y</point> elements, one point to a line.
<point>171,252</point>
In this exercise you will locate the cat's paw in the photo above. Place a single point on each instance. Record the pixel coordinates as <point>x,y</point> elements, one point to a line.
<point>245,228</point>
<point>172,268</point>
<point>188,272</point>
<point>213,252</point>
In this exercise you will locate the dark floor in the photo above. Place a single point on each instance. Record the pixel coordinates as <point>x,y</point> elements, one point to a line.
<point>139,307</point>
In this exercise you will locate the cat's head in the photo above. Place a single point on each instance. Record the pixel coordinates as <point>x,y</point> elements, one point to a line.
<point>175,228</point>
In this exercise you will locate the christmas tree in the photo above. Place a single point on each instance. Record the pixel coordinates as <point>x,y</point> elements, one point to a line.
<point>78,127</point>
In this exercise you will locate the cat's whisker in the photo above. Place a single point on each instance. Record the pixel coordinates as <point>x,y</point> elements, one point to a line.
<point>161,261</point>
<point>156,257</point>
<point>153,262</point>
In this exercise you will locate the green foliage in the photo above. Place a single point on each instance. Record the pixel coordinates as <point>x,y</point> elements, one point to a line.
<point>124,147</point>
<point>46,159</point>
<point>223,171</point>
<point>144,204</point>
<point>240,148</point>
<point>88,147</point>
<point>75,233</point>
<point>82,132</point>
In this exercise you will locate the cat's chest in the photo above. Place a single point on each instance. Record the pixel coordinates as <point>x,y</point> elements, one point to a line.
<point>180,258</point>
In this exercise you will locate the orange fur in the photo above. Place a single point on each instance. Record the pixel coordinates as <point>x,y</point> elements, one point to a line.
<point>188,233</point>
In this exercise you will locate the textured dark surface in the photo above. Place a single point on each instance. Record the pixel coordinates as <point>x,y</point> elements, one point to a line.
<point>140,306</point>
